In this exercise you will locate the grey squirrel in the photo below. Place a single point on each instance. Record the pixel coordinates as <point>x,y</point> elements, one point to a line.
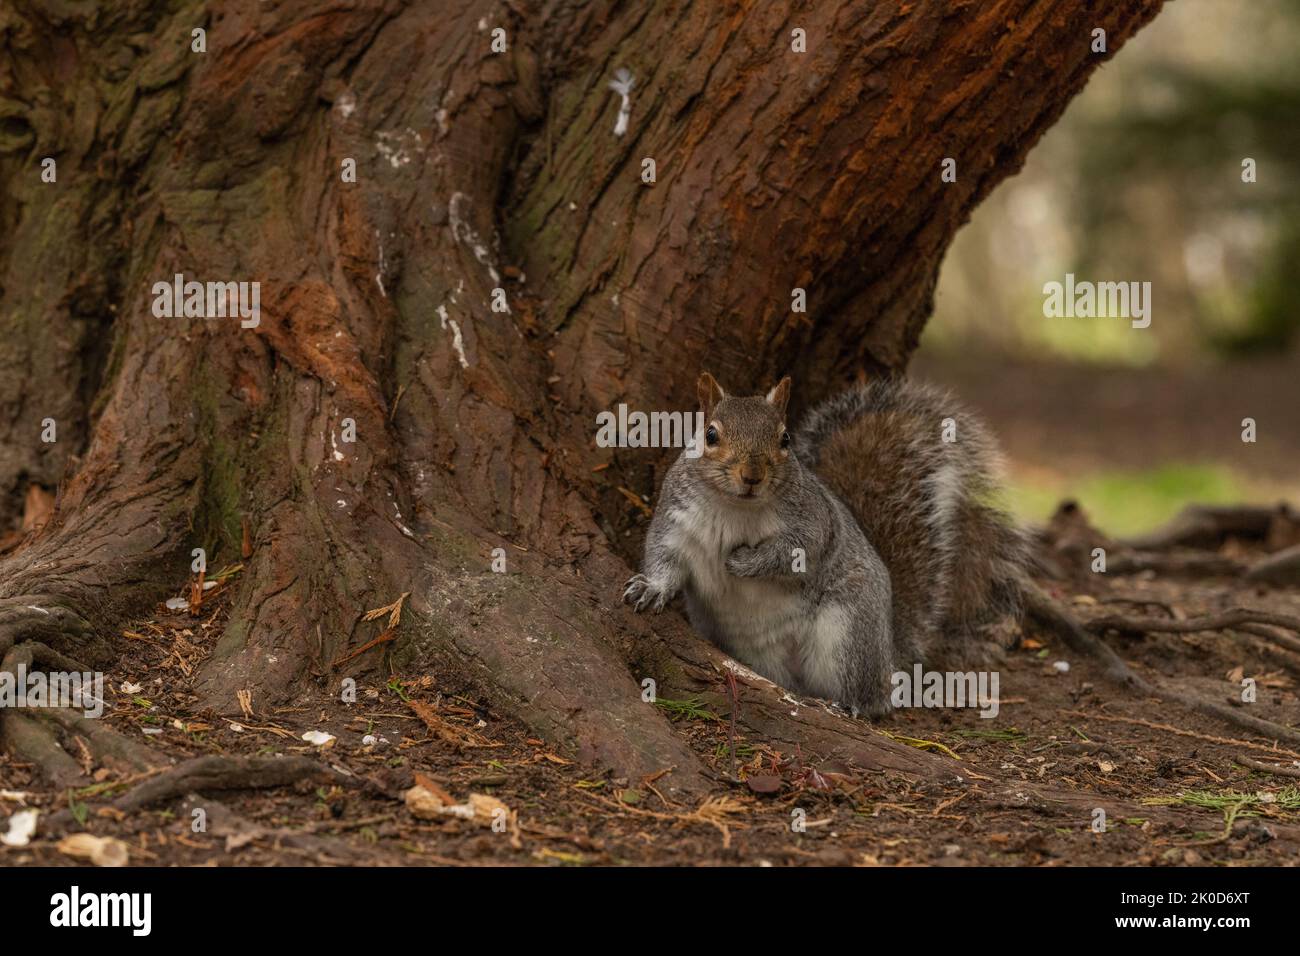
<point>830,559</point>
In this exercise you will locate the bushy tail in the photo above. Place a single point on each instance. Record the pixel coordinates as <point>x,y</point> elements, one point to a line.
<point>956,560</point>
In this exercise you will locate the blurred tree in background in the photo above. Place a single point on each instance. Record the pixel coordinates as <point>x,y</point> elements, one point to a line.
<point>1142,181</point>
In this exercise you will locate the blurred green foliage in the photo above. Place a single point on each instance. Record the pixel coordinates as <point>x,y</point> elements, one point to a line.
<point>1124,503</point>
<point>1191,146</point>
<point>1141,180</point>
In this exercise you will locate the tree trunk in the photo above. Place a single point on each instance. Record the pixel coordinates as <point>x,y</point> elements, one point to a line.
<point>476,170</point>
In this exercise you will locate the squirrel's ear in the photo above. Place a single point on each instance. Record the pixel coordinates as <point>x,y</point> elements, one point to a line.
<point>710,393</point>
<point>779,396</point>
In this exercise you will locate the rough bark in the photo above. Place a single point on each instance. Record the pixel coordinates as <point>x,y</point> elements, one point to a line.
<point>475,171</point>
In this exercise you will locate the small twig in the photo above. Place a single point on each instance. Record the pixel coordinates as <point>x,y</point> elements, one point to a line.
<point>633,497</point>
<point>1084,747</point>
<point>383,638</point>
<point>1141,602</point>
<point>401,390</point>
<point>731,728</point>
<point>1279,769</point>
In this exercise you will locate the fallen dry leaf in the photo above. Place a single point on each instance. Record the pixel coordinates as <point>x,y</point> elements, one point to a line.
<point>486,808</point>
<point>426,804</point>
<point>764,783</point>
<point>423,804</point>
<point>101,851</point>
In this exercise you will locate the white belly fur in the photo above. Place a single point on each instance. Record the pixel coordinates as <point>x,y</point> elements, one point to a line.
<point>764,622</point>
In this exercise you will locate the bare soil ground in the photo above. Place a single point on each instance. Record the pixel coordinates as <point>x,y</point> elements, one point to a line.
<point>1168,780</point>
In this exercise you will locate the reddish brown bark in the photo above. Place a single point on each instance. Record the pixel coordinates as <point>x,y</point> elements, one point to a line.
<point>476,170</point>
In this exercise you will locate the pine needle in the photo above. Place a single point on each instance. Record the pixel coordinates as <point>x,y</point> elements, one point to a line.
<point>394,611</point>
<point>920,744</point>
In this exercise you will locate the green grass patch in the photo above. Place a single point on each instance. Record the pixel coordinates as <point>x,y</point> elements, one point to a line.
<point>1124,503</point>
<point>743,751</point>
<point>692,709</point>
<point>1231,803</point>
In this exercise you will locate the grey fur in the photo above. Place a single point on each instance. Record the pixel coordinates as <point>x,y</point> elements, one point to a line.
<point>957,560</point>
<point>836,629</point>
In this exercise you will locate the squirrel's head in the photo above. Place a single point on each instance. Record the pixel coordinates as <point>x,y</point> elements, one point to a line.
<point>745,449</point>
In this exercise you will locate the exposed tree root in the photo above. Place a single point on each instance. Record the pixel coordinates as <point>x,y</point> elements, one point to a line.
<point>106,744</point>
<point>225,773</point>
<point>54,659</point>
<point>1239,618</point>
<point>38,734</point>
<point>218,773</point>
<point>1057,618</point>
<point>39,617</point>
<point>1207,526</point>
<point>31,741</point>
<point>1274,636</point>
<point>1187,545</point>
<point>1282,568</point>
<point>693,667</point>
<point>1062,622</point>
<point>1138,601</point>
<point>540,648</point>
<point>1267,729</point>
<point>1233,617</point>
<point>1177,563</point>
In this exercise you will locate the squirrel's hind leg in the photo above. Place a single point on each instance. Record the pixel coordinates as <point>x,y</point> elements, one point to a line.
<point>867,660</point>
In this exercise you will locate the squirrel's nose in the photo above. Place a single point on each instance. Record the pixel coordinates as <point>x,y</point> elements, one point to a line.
<point>752,479</point>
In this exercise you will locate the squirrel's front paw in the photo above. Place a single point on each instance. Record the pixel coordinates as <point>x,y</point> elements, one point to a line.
<point>641,593</point>
<point>743,562</point>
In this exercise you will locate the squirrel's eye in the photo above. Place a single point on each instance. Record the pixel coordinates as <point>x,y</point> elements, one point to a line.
<point>785,439</point>
<point>711,436</point>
